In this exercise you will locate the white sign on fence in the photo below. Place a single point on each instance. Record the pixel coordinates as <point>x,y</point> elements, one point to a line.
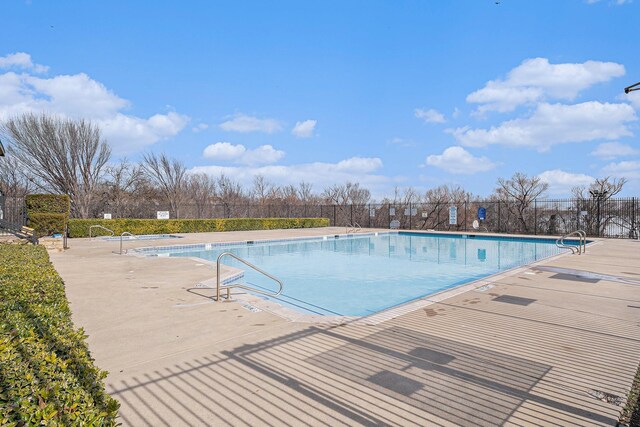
<point>162,214</point>
<point>453,215</point>
<point>425,214</point>
<point>392,211</point>
<point>107,216</point>
<point>372,213</point>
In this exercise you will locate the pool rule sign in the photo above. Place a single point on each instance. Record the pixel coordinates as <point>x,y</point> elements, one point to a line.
<point>453,215</point>
<point>482,214</point>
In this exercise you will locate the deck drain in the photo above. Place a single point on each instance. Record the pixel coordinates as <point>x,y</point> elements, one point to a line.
<point>606,397</point>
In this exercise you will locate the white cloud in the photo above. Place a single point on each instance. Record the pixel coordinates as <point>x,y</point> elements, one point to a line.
<point>634,98</point>
<point>611,150</point>
<point>552,124</point>
<point>79,96</point>
<point>200,127</point>
<point>561,182</point>
<point>457,160</point>
<point>616,2</point>
<point>225,151</point>
<point>537,80</point>
<point>263,155</point>
<point>222,151</point>
<point>319,174</point>
<point>244,123</point>
<point>21,60</point>
<point>430,115</point>
<point>129,133</point>
<point>628,169</point>
<point>304,129</point>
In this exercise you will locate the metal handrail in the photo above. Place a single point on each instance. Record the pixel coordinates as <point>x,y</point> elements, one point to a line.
<point>353,228</point>
<point>126,233</point>
<point>99,226</point>
<point>219,285</point>
<point>582,242</point>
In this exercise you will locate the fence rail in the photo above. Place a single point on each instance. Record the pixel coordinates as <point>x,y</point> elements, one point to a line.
<point>12,210</point>
<point>603,218</point>
<point>599,218</point>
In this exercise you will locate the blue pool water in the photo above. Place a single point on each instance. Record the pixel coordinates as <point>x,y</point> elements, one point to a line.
<point>363,274</point>
<point>143,237</point>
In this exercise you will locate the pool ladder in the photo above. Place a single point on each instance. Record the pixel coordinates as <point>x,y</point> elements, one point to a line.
<point>353,228</point>
<point>582,242</point>
<point>99,226</point>
<point>220,287</point>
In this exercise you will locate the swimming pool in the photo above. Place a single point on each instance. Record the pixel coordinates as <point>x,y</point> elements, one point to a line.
<point>360,275</point>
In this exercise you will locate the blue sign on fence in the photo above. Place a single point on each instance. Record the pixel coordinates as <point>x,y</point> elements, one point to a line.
<point>482,214</point>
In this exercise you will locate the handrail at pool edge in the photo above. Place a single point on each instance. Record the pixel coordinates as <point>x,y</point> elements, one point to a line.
<point>219,285</point>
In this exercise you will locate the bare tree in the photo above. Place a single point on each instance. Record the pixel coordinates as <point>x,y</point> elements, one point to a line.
<point>201,188</point>
<point>601,188</point>
<point>169,175</point>
<point>519,192</point>
<point>66,155</point>
<point>230,193</point>
<point>13,181</point>
<point>261,189</point>
<point>598,212</point>
<point>122,181</point>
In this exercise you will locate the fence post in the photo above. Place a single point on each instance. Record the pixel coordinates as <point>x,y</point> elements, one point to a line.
<point>334,215</point>
<point>351,213</point>
<point>369,215</point>
<point>410,217</point>
<point>535,217</point>
<point>498,216</point>
<point>465,215</point>
<point>633,217</point>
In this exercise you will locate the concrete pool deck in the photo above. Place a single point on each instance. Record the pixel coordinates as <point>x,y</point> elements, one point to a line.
<point>538,346</point>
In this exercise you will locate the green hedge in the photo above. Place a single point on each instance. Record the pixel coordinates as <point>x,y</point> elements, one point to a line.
<point>47,224</point>
<point>47,213</point>
<point>47,376</point>
<point>48,203</point>
<point>80,227</point>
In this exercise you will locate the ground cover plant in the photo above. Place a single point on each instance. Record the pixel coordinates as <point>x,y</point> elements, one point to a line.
<point>47,376</point>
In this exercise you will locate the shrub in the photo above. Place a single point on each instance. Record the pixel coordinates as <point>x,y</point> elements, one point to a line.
<point>46,224</point>
<point>47,376</point>
<point>80,227</point>
<point>47,213</point>
<point>48,203</point>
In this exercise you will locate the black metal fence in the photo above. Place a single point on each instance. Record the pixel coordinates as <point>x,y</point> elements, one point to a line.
<point>603,218</point>
<point>12,210</point>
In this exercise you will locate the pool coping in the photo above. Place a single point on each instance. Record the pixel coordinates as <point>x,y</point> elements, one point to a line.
<point>253,302</point>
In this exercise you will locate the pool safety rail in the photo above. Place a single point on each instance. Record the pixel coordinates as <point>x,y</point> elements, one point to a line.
<point>101,227</point>
<point>582,242</point>
<point>220,286</point>
<point>353,228</point>
<point>126,233</point>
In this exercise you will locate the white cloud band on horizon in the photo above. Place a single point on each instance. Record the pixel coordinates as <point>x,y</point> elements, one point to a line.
<point>363,170</point>
<point>225,151</point>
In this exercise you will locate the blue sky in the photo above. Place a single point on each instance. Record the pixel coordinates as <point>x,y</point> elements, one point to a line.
<point>394,93</point>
